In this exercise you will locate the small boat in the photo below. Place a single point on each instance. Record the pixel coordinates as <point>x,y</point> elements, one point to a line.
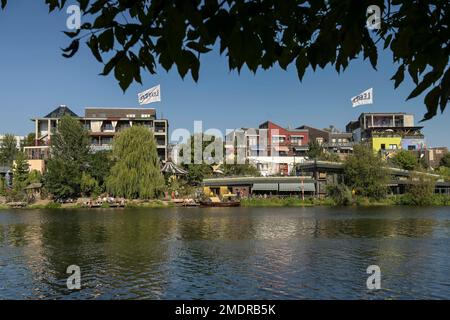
<point>221,204</point>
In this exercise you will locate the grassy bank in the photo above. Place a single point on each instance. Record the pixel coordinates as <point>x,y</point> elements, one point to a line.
<point>435,200</point>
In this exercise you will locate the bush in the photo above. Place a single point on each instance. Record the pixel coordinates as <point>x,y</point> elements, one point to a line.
<point>421,190</point>
<point>340,194</point>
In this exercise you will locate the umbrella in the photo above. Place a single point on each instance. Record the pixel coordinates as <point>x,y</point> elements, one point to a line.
<point>170,167</point>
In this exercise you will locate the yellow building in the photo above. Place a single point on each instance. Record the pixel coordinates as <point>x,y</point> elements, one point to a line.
<point>386,143</point>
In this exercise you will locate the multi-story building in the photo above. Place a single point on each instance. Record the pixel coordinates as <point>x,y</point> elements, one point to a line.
<point>387,132</point>
<point>331,139</point>
<point>102,125</point>
<point>270,147</point>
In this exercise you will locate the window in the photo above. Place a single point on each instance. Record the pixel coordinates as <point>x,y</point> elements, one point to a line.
<point>297,140</point>
<point>131,116</point>
<point>393,146</point>
<point>278,139</point>
<point>411,147</point>
<point>145,116</point>
<point>383,146</point>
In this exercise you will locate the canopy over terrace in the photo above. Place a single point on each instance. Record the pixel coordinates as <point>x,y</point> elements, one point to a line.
<point>170,168</point>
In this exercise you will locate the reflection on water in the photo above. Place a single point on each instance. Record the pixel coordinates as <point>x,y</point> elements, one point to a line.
<point>226,253</point>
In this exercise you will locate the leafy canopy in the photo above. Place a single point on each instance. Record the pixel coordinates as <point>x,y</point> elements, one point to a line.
<point>130,36</point>
<point>136,173</point>
<point>445,161</point>
<point>70,158</point>
<point>406,160</point>
<point>364,172</point>
<point>8,149</point>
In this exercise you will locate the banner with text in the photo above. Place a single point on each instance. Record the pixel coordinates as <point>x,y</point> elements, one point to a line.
<point>365,97</point>
<point>150,95</point>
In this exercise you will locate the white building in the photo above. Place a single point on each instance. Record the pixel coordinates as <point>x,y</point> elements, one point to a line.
<point>19,140</point>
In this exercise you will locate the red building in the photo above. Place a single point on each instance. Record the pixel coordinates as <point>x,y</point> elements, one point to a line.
<point>285,141</point>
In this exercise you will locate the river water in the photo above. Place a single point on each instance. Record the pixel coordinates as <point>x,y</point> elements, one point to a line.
<point>226,253</point>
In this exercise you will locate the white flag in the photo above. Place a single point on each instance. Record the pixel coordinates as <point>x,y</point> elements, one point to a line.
<point>365,97</point>
<point>150,95</point>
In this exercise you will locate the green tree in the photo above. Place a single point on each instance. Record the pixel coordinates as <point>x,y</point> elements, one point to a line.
<point>62,179</point>
<point>30,140</point>
<point>89,186</point>
<point>100,164</point>
<point>364,172</point>
<point>263,34</point>
<point>421,189</point>
<point>241,170</point>
<point>34,177</point>
<point>21,170</point>
<point>406,160</point>
<point>136,173</point>
<point>445,161</point>
<point>8,149</point>
<point>70,158</point>
<point>314,150</point>
<point>198,171</point>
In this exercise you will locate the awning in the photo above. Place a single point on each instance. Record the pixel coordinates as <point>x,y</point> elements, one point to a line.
<point>281,148</point>
<point>301,148</point>
<point>297,187</point>
<point>265,187</point>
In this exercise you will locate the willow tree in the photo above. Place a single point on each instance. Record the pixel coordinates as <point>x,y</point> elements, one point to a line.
<point>136,173</point>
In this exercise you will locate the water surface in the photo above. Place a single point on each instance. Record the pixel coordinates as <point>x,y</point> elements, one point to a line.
<point>226,253</point>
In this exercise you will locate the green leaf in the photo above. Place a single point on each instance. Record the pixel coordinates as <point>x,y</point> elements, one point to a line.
<point>197,47</point>
<point>124,72</point>
<point>147,59</point>
<point>301,63</point>
<point>387,41</point>
<point>72,34</point>
<point>106,40</point>
<point>70,51</point>
<point>4,2</point>
<point>120,35</point>
<point>399,76</point>
<point>93,45</point>
<point>428,79</point>
<point>431,101</point>
<point>83,4</point>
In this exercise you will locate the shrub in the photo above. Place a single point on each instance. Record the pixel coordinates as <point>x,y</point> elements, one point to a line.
<point>340,194</point>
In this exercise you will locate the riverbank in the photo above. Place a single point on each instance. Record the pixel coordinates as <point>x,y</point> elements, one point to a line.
<point>399,200</point>
<point>54,205</point>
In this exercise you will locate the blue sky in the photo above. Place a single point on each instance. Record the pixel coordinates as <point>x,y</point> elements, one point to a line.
<point>35,78</point>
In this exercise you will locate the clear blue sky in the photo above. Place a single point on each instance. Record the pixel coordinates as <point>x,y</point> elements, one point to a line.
<point>35,78</point>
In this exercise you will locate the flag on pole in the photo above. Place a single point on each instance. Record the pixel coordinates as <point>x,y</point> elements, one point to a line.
<point>150,95</point>
<point>365,97</point>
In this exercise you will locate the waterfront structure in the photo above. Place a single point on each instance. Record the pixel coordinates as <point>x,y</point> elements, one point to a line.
<point>326,173</point>
<point>387,132</point>
<point>259,186</point>
<point>102,124</point>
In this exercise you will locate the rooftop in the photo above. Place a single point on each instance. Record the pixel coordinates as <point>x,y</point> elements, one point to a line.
<point>61,111</point>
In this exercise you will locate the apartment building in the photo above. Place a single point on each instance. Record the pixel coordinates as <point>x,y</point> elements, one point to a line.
<point>387,131</point>
<point>102,124</point>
